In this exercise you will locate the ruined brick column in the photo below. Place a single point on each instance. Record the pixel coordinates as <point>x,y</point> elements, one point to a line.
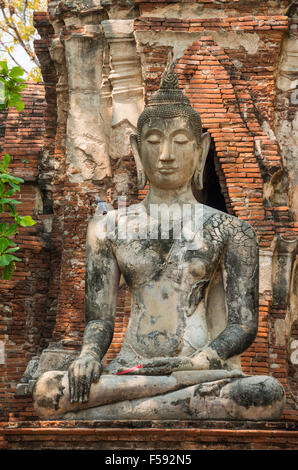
<point>86,161</point>
<point>126,82</point>
<point>82,167</point>
<point>86,143</point>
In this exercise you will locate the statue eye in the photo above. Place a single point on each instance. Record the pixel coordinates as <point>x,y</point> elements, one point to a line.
<point>181,139</point>
<point>153,139</point>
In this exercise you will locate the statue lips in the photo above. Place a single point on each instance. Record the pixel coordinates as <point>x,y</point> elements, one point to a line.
<point>167,171</point>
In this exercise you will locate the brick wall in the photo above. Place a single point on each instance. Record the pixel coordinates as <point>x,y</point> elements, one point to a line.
<point>23,299</point>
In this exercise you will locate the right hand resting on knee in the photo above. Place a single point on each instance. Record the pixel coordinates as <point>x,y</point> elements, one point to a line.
<point>81,373</point>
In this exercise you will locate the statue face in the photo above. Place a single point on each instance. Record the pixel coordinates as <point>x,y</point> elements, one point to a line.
<point>169,152</point>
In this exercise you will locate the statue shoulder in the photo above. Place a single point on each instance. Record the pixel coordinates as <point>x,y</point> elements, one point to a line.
<point>103,228</point>
<point>99,228</point>
<point>228,225</point>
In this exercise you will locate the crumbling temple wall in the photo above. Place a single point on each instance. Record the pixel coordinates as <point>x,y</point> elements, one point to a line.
<point>23,300</point>
<point>101,60</point>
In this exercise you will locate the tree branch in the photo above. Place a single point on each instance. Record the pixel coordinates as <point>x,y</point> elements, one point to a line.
<point>10,55</point>
<point>7,32</point>
<point>19,38</point>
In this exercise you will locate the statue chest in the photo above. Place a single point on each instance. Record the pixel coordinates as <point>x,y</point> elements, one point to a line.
<point>183,264</point>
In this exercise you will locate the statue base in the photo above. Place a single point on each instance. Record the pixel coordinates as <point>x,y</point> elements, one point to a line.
<point>149,435</point>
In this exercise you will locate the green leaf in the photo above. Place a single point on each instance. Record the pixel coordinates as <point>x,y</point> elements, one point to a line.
<point>12,250</point>
<point>4,68</point>
<point>11,103</point>
<point>14,186</point>
<point>3,226</point>
<point>9,201</point>
<point>12,211</point>
<point>19,105</point>
<point>14,95</point>
<point>27,221</point>
<point>16,72</point>
<point>6,259</point>
<point>9,178</point>
<point>8,193</point>
<point>6,160</point>
<point>3,244</point>
<point>8,272</point>
<point>11,230</point>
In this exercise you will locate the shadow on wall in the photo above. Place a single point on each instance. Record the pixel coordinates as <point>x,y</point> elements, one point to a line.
<point>211,194</point>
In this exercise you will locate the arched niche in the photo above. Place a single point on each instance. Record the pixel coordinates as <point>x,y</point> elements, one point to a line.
<point>212,193</point>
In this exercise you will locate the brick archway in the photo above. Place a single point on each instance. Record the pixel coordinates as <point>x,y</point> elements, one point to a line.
<point>219,93</point>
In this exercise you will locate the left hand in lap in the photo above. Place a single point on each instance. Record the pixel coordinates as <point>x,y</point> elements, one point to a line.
<point>207,359</point>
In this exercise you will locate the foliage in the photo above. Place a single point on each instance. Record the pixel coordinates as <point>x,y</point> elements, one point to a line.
<point>16,29</point>
<point>12,86</point>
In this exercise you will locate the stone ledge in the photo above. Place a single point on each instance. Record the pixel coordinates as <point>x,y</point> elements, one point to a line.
<point>121,435</point>
<point>235,425</point>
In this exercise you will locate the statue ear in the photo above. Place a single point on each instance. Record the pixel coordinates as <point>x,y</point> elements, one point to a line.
<point>141,176</point>
<point>204,148</point>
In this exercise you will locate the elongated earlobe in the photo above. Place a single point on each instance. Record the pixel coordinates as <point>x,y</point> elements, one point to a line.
<point>141,175</point>
<point>204,149</point>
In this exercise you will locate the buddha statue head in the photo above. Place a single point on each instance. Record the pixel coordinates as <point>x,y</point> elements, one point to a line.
<point>170,149</point>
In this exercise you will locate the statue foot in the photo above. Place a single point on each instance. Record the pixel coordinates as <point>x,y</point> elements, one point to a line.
<point>255,398</point>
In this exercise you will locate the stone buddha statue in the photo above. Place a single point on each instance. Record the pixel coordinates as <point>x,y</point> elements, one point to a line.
<point>181,354</point>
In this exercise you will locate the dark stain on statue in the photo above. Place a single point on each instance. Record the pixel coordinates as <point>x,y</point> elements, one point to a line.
<point>197,294</point>
<point>259,394</point>
<point>183,404</point>
<point>96,280</point>
<point>155,339</point>
<point>215,364</point>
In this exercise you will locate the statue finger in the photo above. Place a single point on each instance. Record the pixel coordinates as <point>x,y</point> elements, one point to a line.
<point>158,370</point>
<point>73,382</point>
<point>86,385</point>
<point>96,372</point>
<point>86,391</point>
<point>155,363</point>
<point>76,383</point>
<point>71,385</point>
<point>82,381</point>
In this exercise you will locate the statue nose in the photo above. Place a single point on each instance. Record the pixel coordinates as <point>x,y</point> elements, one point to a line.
<point>166,154</point>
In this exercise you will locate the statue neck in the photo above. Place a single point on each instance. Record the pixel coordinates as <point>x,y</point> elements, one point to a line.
<point>169,196</point>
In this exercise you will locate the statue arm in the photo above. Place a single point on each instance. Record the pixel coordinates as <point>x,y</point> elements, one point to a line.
<point>102,280</point>
<point>240,266</point>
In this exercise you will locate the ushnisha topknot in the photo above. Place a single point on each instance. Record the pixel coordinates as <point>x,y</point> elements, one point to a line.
<point>169,102</point>
<point>169,91</point>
